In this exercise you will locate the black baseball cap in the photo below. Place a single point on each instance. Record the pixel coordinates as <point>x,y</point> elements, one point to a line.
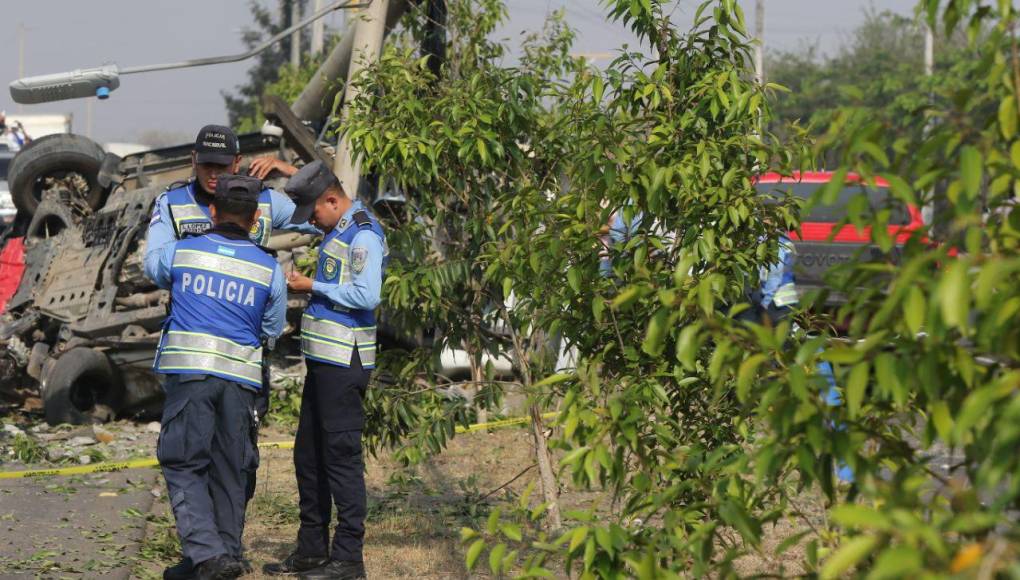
<point>306,186</point>
<point>238,187</point>
<point>216,144</point>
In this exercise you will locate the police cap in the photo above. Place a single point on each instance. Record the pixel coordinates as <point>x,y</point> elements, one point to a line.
<point>305,187</point>
<point>238,188</point>
<point>216,144</point>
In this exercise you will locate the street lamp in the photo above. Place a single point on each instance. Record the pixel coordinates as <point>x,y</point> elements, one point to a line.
<point>100,81</point>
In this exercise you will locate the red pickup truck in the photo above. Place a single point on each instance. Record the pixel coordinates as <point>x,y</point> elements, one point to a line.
<point>817,247</point>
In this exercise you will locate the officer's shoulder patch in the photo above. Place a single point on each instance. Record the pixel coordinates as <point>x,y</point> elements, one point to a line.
<point>361,218</point>
<point>359,256</point>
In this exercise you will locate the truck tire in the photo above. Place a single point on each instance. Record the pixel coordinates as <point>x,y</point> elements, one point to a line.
<point>82,387</point>
<point>55,156</point>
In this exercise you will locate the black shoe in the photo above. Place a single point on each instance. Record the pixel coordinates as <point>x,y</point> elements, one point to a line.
<point>222,567</point>
<point>295,564</point>
<point>183,570</point>
<point>337,570</point>
<point>246,567</point>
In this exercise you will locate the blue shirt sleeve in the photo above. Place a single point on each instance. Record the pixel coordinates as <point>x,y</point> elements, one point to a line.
<point>275,316</point>
<point>283,210</point>
<point>159,243</point>
<point>772,277</point>
<point>364,291</point>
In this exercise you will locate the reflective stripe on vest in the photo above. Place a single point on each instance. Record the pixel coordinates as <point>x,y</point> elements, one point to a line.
<point>334,342</point>
<point>184,360</point>
<point>223,265</point>
<point>190,218</point>
<point>180,340</point>
<point>786,295</point>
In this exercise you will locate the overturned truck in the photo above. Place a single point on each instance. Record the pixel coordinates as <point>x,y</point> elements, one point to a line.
<point>80,321</point>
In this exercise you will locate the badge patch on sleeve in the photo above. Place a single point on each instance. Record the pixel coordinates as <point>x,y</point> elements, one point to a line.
<point>155,215</point>
<point>359,256</point>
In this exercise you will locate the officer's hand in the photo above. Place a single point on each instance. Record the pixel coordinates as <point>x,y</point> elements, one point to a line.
<point>298,283</point>
<point>261,167</point>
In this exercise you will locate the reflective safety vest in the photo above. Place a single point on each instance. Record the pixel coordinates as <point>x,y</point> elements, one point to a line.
<point>786,293</point>
<point>330,332</point>
<point>219,292</point>
<point>191,217</point>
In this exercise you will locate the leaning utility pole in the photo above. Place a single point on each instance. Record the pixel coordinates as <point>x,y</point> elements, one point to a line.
<point>295,39</point>
<point>318,31</point>
<point>369,30</point>
<point>929,51</point>
<point>759,47</point>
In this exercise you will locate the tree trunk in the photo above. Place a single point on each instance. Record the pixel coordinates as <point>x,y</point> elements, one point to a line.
<point>477,376</point>
<point>550,489</point>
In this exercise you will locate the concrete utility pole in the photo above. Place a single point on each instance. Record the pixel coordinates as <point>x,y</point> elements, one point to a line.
<point>318,31</point>
<point>759,48</point>
<point>369,30</point>
<point>295,39</point>
<point>929,50</point>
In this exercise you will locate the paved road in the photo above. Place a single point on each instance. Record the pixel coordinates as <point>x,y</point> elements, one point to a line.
<point>86,526</point>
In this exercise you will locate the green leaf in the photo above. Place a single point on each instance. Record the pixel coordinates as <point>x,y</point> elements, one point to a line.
<point>849,554</point>
<point>954,294</point>
<point>574,279</point>
<point>943,420</point>
<point>748,371</point>
<point>687,346</point>
<point>511,531</point>
<point>656,334</point>
<point>466,534</point>
<point>896,562</point>
<point>735,515</point>
<point>860,517</point>
<point>913,309</point>
<point>473,552</point>
<point>496,558</point>
<point>577,538</point>
<point>856,385</point>
<point>1008,117</point>
<point>971,168</point>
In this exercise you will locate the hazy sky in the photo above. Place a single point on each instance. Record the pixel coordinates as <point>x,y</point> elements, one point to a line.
<point>61,35</point>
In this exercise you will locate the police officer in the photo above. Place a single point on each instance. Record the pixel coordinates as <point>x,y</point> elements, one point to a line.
<point>185,209</point>
<point>338,335</point>
<point>773,302</point>
<point>227,295</point>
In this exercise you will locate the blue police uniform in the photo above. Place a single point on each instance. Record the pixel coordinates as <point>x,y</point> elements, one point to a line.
<point>177,212</point>
<point>778,295</point>
<point>226,295</point>
<point>338,338</point>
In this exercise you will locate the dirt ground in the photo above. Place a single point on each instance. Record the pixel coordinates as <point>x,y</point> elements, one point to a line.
<point>412,530</point>
<point>414,516</point>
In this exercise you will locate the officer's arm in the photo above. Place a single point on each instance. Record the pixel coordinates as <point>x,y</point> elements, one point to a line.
<point>364,291</point>
<point>772,277</point>
<point>275,315</point>
<point>283,210</point>
<point>159,242</point>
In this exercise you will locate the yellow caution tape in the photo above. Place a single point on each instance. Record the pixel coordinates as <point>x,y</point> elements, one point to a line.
<point>111,466</point>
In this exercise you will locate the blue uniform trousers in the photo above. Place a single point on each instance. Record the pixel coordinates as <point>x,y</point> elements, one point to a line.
<point>208,455</point>
<point>328,460</point>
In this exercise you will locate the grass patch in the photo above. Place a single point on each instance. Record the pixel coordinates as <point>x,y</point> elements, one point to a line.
<point>27,450</point>
<point>274,509</point>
